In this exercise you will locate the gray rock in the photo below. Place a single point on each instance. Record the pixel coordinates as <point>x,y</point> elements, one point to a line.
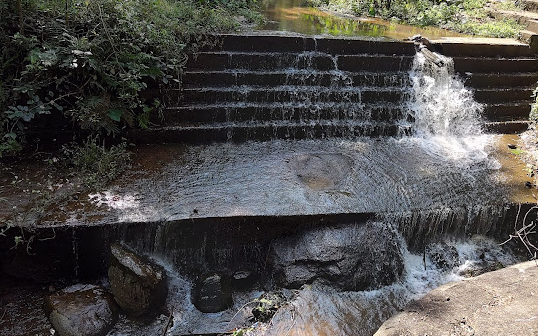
<point>212,294</point>
<point>503,302</point>
<point>139,286</point>
<point>81,310</point>
<point>351,257</point>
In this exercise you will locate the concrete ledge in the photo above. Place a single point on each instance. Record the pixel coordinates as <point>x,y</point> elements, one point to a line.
<point>482,47</point>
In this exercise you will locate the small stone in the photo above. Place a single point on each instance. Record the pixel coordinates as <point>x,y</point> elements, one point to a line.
<point>243,279</point>
<point>212,294</point>
<point>81,310</point>
<point>139,286</point>
<point>512,146</point>
<point>528,184</point>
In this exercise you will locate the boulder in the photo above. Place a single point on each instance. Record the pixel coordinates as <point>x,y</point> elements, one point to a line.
<point>81,310</point>
<point>502,302</point>
<point>212,293</point>
<point>351,257</point>
<point>139,286</point>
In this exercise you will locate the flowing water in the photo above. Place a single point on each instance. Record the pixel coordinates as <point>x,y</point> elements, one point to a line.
<point>319,310</point>
<point>445,164</point>
<point>440,104</point>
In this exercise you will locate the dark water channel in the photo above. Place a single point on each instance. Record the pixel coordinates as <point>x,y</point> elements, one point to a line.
<point>298,17</point>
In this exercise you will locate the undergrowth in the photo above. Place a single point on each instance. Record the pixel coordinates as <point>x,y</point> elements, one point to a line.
<point>97,163</point>
<point>466,16</point>
<point>98,62</point>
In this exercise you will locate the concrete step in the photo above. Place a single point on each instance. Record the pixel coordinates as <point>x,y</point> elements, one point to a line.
<point>517,111</point>
<point>218,61</point>
<point>495,65</point>
<point>306,95</point>
<point>493,96</point>
<point>507,127</point>
<point>334,46</point>
<point>240,132</point>
<point>528,19</point>
<point>260,113</point>
<point>198,133</point>
<point>503,80</point>
<point>262,60</point>
<point>531,38</point>
<point>530,5</point>
<point>298,77</point>
<point>482,47</point>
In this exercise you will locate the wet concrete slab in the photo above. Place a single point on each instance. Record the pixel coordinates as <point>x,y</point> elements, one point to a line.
<point>282,178</point>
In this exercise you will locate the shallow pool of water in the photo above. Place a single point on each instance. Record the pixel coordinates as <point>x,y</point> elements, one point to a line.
<point>296,16</point>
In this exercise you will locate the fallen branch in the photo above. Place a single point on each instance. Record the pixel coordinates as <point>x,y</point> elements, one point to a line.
<point>168,323</point>
<point>524,232</point>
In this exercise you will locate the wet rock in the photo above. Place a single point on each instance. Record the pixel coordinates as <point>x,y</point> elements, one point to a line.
<point>444,256</point>
<point>139,286</point>
<point>212,293</point>
<point>81,310</point>
<point>351,257</point>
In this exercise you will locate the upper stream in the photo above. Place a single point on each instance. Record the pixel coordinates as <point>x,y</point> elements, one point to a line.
<point>297,17</point>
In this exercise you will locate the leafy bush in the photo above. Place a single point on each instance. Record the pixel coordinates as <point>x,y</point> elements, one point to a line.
<point>96,61</point>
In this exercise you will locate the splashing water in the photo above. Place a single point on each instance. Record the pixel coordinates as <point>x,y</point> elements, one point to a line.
<point>447,119</point>
<point>439,103</point>
<point>318,311</point>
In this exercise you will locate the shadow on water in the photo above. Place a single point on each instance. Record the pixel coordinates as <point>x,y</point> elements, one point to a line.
<point>296,16</point>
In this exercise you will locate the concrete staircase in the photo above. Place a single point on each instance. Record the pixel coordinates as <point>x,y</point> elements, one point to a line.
<point>296,87</point>
<point>528,17</point>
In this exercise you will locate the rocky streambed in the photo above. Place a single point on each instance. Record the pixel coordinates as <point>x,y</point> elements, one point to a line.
<point>343,280</point>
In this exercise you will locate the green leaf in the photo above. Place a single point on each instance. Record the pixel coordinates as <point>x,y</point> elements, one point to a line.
<point>115,114</point>
<point>517,151</point>
<point>58,107</point>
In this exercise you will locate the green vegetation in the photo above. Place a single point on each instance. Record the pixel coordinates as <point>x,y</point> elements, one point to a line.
<point>466,16</point>
<point>95,162</point>
<point>97,62</point>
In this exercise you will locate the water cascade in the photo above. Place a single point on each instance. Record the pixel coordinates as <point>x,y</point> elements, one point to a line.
<point>342,175</point>
<point>440,104</point>
<point>446,141</point>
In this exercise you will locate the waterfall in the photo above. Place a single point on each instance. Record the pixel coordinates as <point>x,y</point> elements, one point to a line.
<point>439,103</point>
